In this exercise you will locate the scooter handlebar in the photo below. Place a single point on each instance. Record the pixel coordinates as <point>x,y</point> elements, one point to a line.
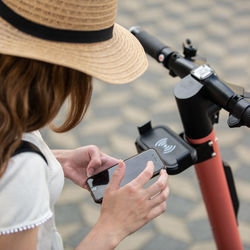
<point>151,45</point>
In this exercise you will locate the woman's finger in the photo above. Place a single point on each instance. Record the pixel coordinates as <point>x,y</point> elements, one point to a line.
<point>160,197</point>
<point>94,160</point>
<point>106,162</point>
<point>159,185</point>
<point>117,177</point>
<point>144,176</point>
<point>156,211</point>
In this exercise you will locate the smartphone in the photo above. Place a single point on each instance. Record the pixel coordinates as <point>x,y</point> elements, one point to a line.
<point>134,166</point>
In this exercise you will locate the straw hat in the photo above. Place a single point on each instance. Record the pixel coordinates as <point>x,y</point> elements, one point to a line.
<point>79,34</point>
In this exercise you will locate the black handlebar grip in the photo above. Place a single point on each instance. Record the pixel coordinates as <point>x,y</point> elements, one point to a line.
<point>240,109</point>
<point>246,117</point>
<point>151,45</point>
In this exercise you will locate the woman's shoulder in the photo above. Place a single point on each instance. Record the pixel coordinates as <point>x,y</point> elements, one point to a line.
<point>34,137</point>
<point>25,170</point>
<point>26,165</point>
<point>24,194</point>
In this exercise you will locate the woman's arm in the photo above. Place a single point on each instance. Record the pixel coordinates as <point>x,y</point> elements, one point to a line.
<point>25,240</point>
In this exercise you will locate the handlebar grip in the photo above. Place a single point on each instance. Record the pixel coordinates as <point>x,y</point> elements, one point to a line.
<point>225,97</point>
<point>151,45</point>
<point>246,117</point>
<point>242,110</point>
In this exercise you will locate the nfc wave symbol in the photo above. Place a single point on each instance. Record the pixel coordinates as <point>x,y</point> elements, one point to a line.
<point>162,143</point>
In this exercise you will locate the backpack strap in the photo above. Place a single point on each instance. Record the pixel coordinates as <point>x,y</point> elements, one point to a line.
<point>27,146</point>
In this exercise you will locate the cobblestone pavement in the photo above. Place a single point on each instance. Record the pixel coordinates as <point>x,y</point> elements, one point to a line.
<point>221,31</point>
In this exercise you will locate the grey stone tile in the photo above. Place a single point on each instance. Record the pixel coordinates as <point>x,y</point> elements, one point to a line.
<point>76,237</point>
<point>246,247</point>
<point>200,229</point>
<point>243,172</point>
<point>100,140</point>
<point>179,206</point>
<point>244,213</point>
<point>67,213</point>
<point>161,242</point>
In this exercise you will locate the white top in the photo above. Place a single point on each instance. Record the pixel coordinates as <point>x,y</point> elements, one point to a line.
<point>29,189</point>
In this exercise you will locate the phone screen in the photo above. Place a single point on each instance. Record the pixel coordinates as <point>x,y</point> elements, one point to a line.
<point>134,166</point>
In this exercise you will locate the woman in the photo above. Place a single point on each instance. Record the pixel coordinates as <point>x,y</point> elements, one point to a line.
<point>49,50</point>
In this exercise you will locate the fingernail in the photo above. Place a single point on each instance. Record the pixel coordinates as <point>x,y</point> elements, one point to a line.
<point>120,164</point>
<point>91,171</point>
<point>150,163</point>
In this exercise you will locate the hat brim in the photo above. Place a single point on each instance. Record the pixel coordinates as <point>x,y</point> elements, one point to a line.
<point>118,60</point>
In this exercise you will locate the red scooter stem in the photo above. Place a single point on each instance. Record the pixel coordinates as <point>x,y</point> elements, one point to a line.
<point>215,192</point>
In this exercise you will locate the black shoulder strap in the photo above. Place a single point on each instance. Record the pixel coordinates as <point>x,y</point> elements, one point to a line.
<point>26,146</point>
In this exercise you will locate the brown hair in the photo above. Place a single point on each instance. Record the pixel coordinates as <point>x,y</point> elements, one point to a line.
<point>31,95</point>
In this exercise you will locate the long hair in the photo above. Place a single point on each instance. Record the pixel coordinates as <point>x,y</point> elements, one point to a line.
<point>31,95</point>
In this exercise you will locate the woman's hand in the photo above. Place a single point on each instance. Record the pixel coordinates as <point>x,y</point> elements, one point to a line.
<point>82,162</point>
<point>125,210</point>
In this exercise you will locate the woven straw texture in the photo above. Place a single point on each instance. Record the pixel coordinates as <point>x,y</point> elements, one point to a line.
<point>120,59</point>
<point>67,14</point>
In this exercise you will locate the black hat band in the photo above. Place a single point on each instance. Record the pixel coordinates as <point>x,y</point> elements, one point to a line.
<point>53,34</point>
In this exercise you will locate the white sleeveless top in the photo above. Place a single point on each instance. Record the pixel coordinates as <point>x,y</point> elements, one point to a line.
<point>29,189</point>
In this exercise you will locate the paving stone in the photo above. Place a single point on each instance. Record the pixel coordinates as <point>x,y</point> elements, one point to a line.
<point>173,226</point>
<point>72,241</point>
<point>135,115</point>
<point>179,206</point>
<point>103,112</point>
<point>123,144</point>
<point>67,230</point>
<point>66,213</point>
<point>244,229</point>
<point>163,242</point>
<point>137,240</point>
<point>142,102</point>
<point>243,173</point>
<point>243,188</point>
<point>245,214</point>
<point>206,245</point>
<point>112,99</point>
<point>72,194</point>
<point>129,129</point>
<point>204,233</point>
<point>96,139</point>
<point>183,187</point>
<point>90,213</point>
<point>101,126</point>
<point>198,212</point>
